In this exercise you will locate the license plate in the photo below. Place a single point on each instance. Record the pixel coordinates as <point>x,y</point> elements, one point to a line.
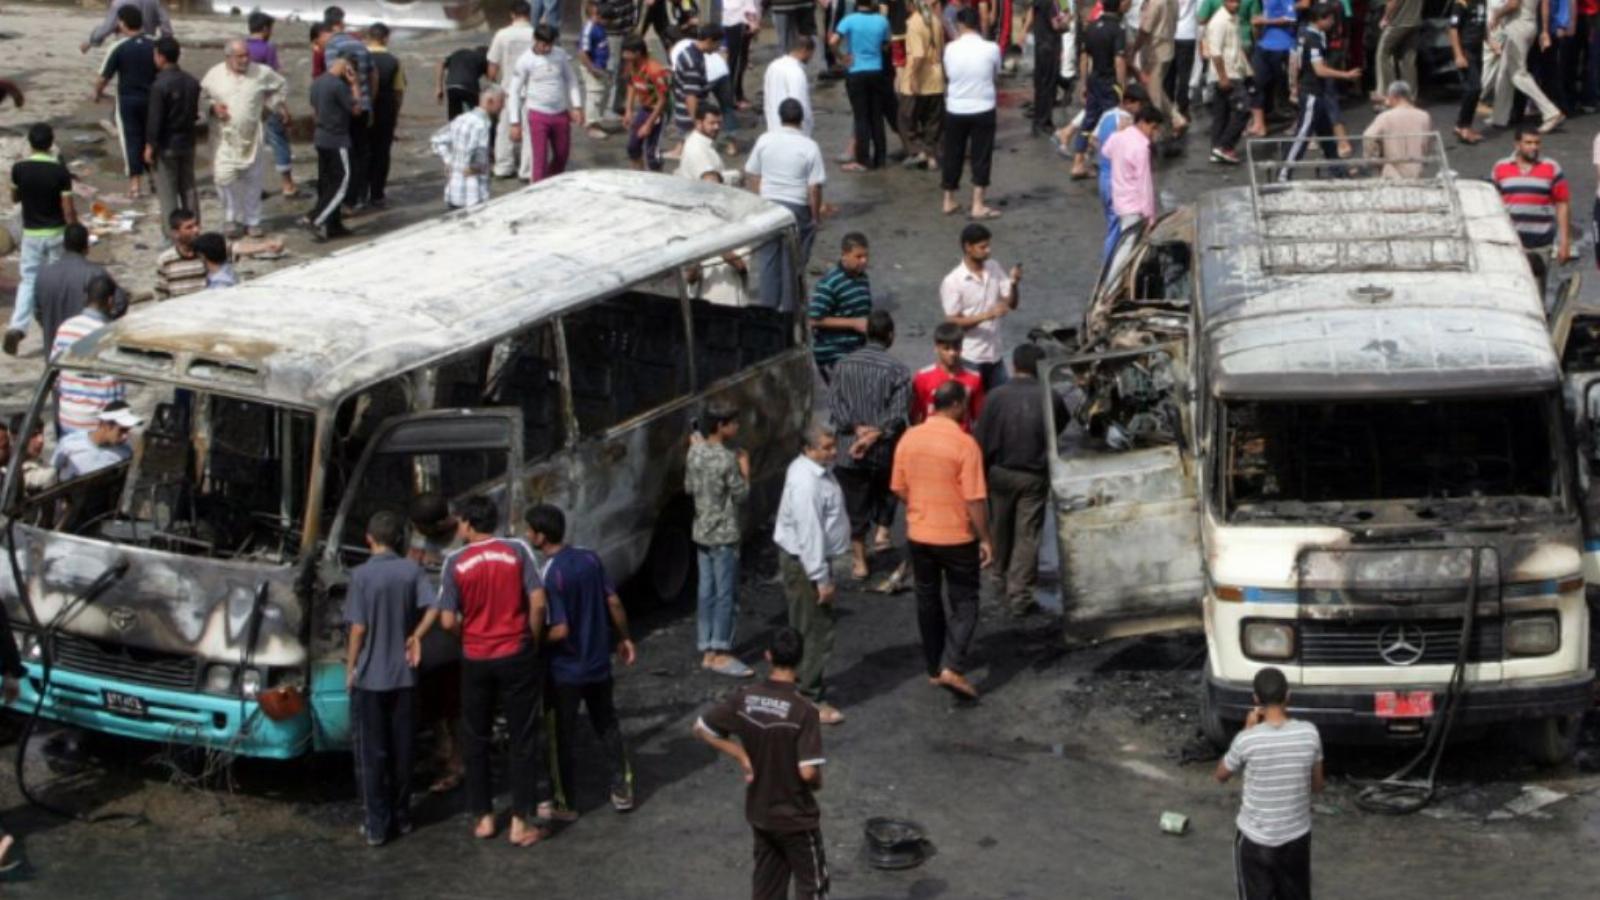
<point>123,704</point>
<point>1403,704</point>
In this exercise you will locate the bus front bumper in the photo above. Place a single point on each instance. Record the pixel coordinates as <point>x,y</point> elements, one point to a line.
<point>1350,710</point>
<point>168,717</point>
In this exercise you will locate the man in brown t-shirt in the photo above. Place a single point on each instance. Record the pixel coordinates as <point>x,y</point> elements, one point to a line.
<point>775,736</point>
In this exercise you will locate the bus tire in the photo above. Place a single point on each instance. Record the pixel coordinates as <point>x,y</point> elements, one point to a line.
<point>671,574</point>
<point>1552,740</point>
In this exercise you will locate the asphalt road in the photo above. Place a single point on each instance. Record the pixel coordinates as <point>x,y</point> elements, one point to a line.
<point>1050,787</point>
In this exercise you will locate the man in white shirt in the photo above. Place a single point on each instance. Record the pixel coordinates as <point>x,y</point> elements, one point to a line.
<point>505,49</point>
<point>976,295</point>
<point>547,98</point>
<point>787,78</point>
<point>464,147</point>
<point>700,147</point>
<point>812,529</point>
<point>971,66</point>
<point>785,166</point>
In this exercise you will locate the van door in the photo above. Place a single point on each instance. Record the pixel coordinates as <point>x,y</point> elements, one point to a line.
<point>458,453</point>
<point>1128,520</point>
<point>1575,331</point>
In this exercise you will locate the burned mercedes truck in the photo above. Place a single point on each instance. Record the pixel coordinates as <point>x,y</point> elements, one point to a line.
<point>1324,420</point>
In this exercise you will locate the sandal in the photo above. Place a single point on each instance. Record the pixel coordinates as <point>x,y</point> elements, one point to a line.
<point>984,215</point>
<point>852,167</point>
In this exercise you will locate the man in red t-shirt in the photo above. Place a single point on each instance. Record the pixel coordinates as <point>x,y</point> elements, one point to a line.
<point>493,584</point>
<point>950,367</point>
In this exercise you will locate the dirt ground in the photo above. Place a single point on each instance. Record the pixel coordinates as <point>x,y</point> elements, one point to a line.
<point>1050,787</point>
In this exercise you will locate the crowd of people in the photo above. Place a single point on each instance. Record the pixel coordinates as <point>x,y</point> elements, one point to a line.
<point>958,447</point>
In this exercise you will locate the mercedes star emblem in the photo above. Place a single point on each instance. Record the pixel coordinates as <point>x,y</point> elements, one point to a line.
<point>122,618</point>
<point>1401,645</point>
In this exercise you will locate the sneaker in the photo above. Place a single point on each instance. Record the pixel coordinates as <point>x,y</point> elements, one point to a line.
<point>12,339</point>
<point>622,799</point>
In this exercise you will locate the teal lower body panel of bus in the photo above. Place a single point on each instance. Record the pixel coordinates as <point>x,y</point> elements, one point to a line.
<point>164,716</point>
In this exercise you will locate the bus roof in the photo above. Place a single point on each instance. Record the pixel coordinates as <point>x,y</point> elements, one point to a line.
<point>1403,329</point>
<point>311,333</point>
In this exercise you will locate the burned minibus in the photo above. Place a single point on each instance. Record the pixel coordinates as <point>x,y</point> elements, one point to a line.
<point>553,345</point>
<point>1324,420</point>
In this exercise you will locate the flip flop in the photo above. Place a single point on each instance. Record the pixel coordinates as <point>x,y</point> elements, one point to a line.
<point>852,167</point>
<point>534,836</point>
<point>445,783</point>
<point>984,216</point>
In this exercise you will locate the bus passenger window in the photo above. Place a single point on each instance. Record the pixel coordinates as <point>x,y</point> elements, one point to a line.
<point>526,374</point>
<point>627,355</point>
<point>731,339</point>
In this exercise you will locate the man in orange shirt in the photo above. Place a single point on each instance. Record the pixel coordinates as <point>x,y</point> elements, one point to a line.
<point>938,472</point>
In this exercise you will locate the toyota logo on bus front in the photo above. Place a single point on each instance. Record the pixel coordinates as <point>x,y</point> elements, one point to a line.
<point>1401,645</point>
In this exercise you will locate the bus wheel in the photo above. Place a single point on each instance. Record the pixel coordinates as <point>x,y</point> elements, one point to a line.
<point>670,570</point>
<point>1551,741</point>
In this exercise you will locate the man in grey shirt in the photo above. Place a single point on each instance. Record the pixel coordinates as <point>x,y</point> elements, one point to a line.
<point>333,102</point>
<point>389,608</point>
<point>1281,759</point>
<point>62,286</point>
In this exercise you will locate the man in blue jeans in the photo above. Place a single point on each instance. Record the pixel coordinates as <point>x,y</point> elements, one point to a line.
<point>43,186</point>
<point>718,478</point>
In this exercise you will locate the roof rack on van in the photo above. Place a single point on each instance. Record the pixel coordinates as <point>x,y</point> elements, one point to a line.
<point>1360,214</point>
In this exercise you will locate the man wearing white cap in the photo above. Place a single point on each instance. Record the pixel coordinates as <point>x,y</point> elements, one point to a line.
<point>86,452</point>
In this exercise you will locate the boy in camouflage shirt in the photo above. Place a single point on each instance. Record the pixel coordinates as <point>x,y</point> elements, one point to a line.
<point>718,478</point>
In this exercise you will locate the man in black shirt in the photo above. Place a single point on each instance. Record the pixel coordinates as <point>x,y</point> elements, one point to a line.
<point>1015,446</point>
<point>779,750</point>
<point>1469,26</point>
<point>458,79</point>
<point>1104,60</point>
<point>1046,20</point>
<point>133,64</point>
<point>1317,89</point>
<point>169,131</point>
<point>44,188</point>
<point>385,113</point>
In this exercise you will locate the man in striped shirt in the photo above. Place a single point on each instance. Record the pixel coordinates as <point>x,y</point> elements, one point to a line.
<point>1536,196</point>
<point>81,397</point>
<point>839,307</point>
<point>870,400</point>
<point>1281,759</point>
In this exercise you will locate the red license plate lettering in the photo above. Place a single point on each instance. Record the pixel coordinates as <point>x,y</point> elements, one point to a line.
<point>1403,704</point>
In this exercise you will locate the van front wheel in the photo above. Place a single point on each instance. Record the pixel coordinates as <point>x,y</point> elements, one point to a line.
<point>1218,731</point>
<point>1551,741</point>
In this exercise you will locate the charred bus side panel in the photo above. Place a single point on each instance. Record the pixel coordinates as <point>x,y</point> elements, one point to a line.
<point>194,593</point>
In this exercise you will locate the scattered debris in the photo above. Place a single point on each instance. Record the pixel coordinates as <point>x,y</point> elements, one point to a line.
<point>1174,823</point>
<point>896,843</point>
<point>1532,799</point>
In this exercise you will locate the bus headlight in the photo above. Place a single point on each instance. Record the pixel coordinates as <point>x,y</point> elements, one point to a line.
<point>219,679</point>
<point>250,683</point>
<point>1268,640</point>
<point>1533,635</point>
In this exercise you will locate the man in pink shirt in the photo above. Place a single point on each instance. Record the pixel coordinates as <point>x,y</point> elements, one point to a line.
<point>1133,182</point>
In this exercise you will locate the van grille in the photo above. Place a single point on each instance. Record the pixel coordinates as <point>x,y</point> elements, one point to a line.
<point>1362,643</point>
<point>148,667</point>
